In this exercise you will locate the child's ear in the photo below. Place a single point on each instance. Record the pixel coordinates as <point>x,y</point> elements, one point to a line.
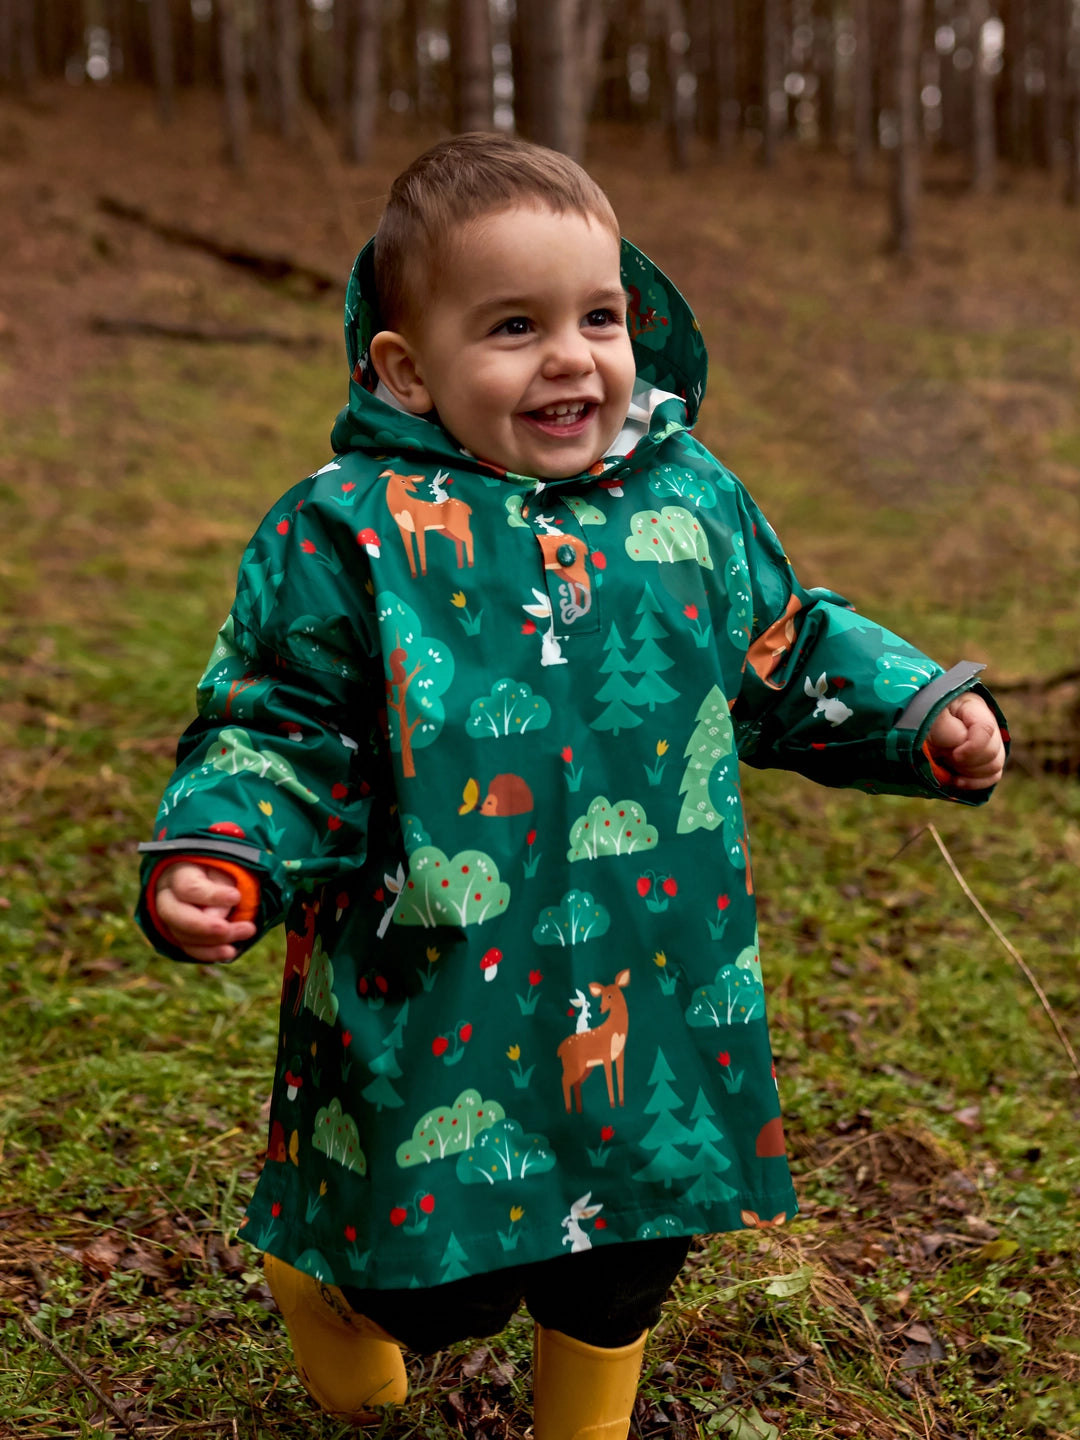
<point>396,366</point>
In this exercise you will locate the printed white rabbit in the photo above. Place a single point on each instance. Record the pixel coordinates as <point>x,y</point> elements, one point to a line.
<point>834,710</point>
<point>575,1236</point>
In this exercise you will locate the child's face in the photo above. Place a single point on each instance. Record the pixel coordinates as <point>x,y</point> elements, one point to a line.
<point>524,351</point>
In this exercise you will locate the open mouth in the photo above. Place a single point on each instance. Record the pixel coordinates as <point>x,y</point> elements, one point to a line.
<point>566,416</point>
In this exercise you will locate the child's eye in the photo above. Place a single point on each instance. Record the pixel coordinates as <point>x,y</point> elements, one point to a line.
<point>601,319</point>
<point>516,325</point>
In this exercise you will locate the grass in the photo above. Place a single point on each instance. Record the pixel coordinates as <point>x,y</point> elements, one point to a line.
<point>916,452</point>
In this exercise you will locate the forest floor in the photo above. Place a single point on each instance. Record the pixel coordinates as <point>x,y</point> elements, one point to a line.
<point>913,431</point>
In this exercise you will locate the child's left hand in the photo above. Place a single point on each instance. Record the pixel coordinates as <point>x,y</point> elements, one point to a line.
<point>966,741</point>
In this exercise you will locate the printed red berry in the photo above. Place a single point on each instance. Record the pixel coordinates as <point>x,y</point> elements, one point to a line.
<point>381,985</point>
<point>398,1215</point>
<point>644,885</point>
<point>670,886</point>
<point>466,1033</point>
<point>339,791</point>
<point>283,527</point>
<point>427,1203</point>
<point>440,1045</point>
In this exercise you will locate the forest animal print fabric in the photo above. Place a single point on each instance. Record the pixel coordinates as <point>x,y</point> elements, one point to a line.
<point>479,737</point>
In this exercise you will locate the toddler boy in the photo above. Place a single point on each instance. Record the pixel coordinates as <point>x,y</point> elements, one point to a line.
<point>472,730</point>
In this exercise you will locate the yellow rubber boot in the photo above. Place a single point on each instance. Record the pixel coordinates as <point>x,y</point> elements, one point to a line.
<point>583,1392</point>
<point>346,1361</point>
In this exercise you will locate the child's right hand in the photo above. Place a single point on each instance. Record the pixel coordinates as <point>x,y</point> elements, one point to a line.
<point>193,903</point>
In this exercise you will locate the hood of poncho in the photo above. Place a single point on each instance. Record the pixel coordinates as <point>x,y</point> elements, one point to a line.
<point>669,354</point>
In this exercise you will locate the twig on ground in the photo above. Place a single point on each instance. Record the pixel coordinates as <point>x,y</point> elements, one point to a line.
<point>1009,947</point>
<point>54,1349</point>
<point>200,334</point>
<point>273,268</point>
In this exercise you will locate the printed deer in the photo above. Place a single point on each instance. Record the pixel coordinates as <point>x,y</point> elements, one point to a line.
<point>415,517</point>
<point>584,1051</point>
<point>298,950</point>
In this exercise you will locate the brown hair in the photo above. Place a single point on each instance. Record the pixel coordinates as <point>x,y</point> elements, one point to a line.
<point>459,180</point>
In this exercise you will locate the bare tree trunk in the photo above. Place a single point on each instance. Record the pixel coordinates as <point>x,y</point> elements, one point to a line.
<point>904,71</point>
<point>1016,70</point>
<point>161,46</point>
<point>545,36</point>
<point>232,84</point>
<point>679,83</point>
<point>265,70</point>
<point>725,76</point>
<point>365,80</point>
<point>1054,32</point>
<point>983,120</point>
<point>287,68</point>
<point>7,42</point>
<point>590,27</point>
<point>470,55</point>
<point>772,91</point>
<point>825,69</point>
<point>1072,179</point>
<point>862,89</point>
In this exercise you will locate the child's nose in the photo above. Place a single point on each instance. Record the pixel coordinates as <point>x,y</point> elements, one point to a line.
<point>569,353</point>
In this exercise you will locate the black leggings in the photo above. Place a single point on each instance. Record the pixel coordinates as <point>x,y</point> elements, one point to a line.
<point>604,1297</point>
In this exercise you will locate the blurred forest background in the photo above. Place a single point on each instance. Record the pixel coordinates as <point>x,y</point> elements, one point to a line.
<point>872,208</point>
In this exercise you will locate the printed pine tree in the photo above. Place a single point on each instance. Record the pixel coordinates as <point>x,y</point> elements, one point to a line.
<point>385,1067</point>
<point>453,1259</point>
<point>650,660</point>
<point>711,741</point>
<point>617,693</point>
<point>667,1132</point>
<point>708,1163</point>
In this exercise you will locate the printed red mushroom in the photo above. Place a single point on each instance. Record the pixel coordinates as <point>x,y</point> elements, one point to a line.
<point>293,1083</point>
<point>490,964</point>
<point>369,540</point>
<point>227,827</point>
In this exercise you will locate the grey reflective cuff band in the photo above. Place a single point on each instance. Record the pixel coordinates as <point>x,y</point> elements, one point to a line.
<point>920,705</point>
<point>198,845</point>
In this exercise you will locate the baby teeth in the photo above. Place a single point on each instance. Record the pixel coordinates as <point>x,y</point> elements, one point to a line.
<point>555,410</point>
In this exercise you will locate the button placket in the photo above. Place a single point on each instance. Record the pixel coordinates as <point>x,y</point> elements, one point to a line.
<point>569,576</point>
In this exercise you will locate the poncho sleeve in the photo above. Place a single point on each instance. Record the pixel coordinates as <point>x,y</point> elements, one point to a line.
<point>280,770</point>
<point>829,693</point>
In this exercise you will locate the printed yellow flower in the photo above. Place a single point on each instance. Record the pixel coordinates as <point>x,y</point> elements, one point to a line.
<point>459,600</point>
<point>266,807</point>
<point>659,959</point>
<point>514,1053</point>
<point>322,1187</point>
<point>661,747</point>
<point>314,1046</point>
<point>516,1213</point>
<point>432,954</point>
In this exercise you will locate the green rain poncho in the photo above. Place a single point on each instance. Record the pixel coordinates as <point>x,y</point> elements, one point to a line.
<point>479,738</point>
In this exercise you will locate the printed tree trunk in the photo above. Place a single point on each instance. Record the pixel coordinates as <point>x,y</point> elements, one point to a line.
<point>161,49</point>
<point>470,54</point>
<point>903,73</point>
<point>287,68</point>
<point>983,137</point>
<point>773,102</point>
<point>862,96</point>
<point>232,81</point>
<point>365,80</point>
